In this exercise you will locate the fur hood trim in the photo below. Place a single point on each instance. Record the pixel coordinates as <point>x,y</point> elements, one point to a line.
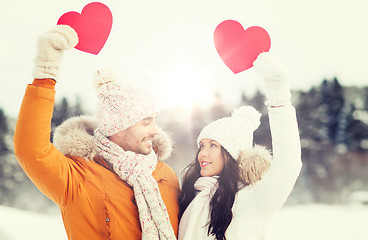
<point>254,163</point>
<point>74,137</point>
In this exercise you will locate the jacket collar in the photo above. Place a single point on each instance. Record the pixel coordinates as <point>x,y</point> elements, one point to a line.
<point>74,137</point>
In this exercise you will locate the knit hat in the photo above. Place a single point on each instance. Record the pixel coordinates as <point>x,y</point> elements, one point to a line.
<point>234,133</point>
<point>119,106</point>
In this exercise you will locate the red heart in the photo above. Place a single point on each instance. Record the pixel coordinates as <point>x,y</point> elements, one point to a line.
<point>238,48</point>
<point>93,26</point>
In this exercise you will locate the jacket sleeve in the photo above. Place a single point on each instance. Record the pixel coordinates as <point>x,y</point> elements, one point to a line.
<point>273,190</point>
<point>47,167</point>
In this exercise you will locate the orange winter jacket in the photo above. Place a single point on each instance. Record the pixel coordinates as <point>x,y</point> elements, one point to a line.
<point>94,202</point>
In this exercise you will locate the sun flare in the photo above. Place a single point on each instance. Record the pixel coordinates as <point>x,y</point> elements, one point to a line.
<point>184,87</point>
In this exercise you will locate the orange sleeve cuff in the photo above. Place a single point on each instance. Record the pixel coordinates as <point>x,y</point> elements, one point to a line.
<point>46,83</point>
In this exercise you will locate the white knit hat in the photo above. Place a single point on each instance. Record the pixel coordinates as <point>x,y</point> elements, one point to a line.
<point>119,106</point>
<point>234,133</point>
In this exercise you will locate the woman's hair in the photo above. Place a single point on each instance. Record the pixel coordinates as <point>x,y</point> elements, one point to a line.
<point>222,201</point>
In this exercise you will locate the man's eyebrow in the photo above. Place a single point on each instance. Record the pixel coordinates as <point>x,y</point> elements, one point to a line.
<point>147,118</point>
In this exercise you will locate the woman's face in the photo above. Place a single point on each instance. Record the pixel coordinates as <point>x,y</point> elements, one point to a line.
<point>210,158</point>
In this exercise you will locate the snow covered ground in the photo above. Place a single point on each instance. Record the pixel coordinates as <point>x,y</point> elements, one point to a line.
<point>310,222</point>
<point>320,222</point>
<point>16,224</point>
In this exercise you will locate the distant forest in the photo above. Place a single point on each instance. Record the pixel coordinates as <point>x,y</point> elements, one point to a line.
<point>333,125</point>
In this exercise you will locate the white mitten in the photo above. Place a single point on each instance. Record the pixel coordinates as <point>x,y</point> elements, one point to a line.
<point>50,47</point>
<point>275,78</point>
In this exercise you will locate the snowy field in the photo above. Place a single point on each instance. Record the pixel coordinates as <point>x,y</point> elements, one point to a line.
<point>311,222</point>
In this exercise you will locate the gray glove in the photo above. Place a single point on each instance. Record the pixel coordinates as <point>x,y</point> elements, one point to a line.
<point>50,47</point>
<point>275,78</point>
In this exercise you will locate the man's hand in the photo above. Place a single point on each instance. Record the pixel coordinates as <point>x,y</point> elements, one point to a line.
<point>50,47</point>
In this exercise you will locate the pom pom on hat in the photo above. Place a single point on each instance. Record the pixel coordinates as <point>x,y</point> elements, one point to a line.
<point>119,106</point>
<point>104,76</point>
<point>249,114</point>
<point>234,133</point>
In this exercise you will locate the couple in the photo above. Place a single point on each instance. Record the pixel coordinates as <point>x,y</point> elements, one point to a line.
<point>110,184</point>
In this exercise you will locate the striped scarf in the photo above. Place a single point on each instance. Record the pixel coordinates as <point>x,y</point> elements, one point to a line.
<point>136,170</point>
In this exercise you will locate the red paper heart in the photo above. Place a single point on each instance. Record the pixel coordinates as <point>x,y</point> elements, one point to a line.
<point>93,26</point>
<point>238,48</point>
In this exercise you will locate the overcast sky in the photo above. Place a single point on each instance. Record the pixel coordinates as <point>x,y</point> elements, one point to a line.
<point>166,46</point>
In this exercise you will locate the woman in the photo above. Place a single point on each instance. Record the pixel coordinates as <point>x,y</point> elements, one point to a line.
<point>232,189</point>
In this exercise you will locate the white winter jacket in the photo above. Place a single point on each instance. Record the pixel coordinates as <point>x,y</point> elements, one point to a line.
<point>254,205</point>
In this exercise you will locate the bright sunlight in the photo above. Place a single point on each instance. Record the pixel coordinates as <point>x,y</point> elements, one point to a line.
<point>184,86</point>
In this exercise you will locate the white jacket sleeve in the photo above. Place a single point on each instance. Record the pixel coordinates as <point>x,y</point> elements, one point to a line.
<point>271,192</point>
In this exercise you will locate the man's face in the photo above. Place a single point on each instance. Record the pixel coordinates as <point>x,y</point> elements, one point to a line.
<point>137,138</point>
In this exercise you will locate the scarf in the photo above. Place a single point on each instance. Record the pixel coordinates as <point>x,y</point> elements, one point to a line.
<point>136,170</point>
<point>194,222</point>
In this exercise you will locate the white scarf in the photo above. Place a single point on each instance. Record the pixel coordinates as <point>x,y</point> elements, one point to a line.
<point>136,170</point>
<point>195,220</point>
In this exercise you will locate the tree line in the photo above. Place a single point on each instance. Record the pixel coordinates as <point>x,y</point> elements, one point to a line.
<point>333,125</point>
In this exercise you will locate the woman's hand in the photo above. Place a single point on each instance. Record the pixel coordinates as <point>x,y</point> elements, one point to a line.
<point>275,78</point>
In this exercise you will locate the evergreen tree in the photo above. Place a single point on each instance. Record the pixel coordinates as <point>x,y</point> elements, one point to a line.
<point>218,110</point>
<point>333,136</point>
<point>314,122</point>
<point>78,110</point>
<point>62,111</point>
<point>257,101</point>
<point>333,100</point>
<point>11,174</point>
<point>262,135</point>
<point>356,132</point>
<point>312,118</point>
<point>4,128</point>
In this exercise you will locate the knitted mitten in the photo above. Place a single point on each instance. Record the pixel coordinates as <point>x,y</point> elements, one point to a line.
<point>50,46</point>
<point>275,78</point>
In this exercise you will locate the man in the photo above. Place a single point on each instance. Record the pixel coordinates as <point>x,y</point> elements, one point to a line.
<point>76,172</point>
